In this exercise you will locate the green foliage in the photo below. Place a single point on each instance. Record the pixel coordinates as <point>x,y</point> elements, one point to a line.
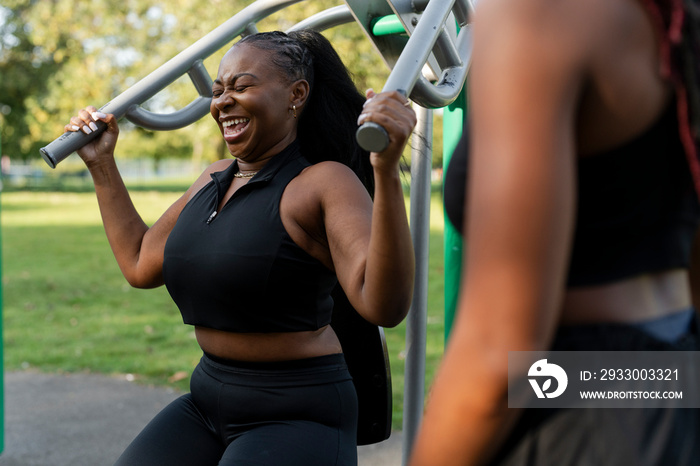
<point>20,59</point>
<point>67,308</point>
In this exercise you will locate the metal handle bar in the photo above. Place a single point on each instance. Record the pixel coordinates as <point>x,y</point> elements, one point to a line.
<point>68,143</point>
<point>200,77</point>
<point>326,19</point>
<point>406,75</point>
<point>184,62</point>
<point>180,118</point>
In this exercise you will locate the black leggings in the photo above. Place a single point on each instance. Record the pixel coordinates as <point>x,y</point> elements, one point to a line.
<point>283,413</point>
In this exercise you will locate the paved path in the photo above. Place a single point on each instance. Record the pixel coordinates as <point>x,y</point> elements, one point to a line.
<point>87,420</point>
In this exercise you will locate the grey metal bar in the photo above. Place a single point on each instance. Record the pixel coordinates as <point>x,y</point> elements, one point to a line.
<point>421,43</point>
<point>180,118</point>
<point>147,87</point>
<point>462,9</point>
<point>419,46</point>
<point>442,54</point>
<point>419,5</point>
<point>410,16</point>
<point>448,54</point>
<point>250,29</point>
<point>416,322</point>
<point>326,19</point>
<point>406,74</point>
<point>365,12</point>
<point>452,79</point>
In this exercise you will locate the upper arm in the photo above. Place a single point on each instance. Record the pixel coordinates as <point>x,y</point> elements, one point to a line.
<point>347,220</point>
<point>527,73</point>
<point>328,213</point>
<point>334,212</point>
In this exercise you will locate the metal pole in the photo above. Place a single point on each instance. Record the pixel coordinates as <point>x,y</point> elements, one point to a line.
<point>414,378</point>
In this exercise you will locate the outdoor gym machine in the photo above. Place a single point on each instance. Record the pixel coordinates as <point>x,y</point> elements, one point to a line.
<point>426,44</point>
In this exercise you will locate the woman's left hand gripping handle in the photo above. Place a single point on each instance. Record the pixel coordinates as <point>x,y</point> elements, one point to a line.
<point>392,111</point>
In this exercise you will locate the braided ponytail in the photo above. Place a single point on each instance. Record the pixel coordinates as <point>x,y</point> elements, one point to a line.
<point>328,121</point>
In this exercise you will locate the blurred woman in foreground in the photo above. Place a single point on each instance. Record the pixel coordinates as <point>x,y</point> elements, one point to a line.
<point>580,214</point>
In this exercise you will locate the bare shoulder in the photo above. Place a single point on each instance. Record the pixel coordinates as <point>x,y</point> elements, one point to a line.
<point>572,42</point>
<point>323,170</point>
<point>324,190</point>
<point>556,20</point>
<point>330,179</point>
<point>217,166</point>
<point>602,53</point>
<point>544,11</point>
<point>205,176</point>
<point>314,199</point>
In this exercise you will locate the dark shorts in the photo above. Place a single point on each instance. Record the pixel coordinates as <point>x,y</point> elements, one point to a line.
<point>288,413</point>
<point>607,437</point>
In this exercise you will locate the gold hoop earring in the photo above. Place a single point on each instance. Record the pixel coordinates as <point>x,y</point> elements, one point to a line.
<point>294,110</point>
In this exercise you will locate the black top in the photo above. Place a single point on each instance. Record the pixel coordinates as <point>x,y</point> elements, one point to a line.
<point>239,270</point>
<point>637,211</point>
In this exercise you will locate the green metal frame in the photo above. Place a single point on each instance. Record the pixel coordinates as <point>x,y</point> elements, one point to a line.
<point>2,369</point>
<point>387,25</point>
<point>453,123</point>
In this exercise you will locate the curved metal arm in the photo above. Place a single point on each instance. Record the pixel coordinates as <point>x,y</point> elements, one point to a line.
<point>182,63</point>
<point>451,80</point>
<point>169,121</point>
<point>183,117</point>
<point>326,19</point>
<point>406,75</point>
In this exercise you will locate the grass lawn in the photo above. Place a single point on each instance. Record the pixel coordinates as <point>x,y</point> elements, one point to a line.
<point>67,307</point>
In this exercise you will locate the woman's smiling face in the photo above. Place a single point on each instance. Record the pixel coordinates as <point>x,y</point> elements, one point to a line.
<point>251,103</point>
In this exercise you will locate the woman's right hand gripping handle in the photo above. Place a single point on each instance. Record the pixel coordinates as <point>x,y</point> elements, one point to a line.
<point>100,149</point>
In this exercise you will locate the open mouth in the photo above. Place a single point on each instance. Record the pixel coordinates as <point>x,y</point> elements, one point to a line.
<point>235,126</point>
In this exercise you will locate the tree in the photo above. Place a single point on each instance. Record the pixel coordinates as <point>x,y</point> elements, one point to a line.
<point>25,70</point>
<point>58,56</point>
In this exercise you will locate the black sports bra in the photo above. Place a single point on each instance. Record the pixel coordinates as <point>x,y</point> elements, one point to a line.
<point>240,271</point>
<point>637,210</point>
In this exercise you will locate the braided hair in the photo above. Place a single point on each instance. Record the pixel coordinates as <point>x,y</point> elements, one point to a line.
<point>328,121</point>
<point>678,22</point>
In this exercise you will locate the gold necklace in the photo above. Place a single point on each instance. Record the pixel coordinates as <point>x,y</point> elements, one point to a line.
<point>244,175</point>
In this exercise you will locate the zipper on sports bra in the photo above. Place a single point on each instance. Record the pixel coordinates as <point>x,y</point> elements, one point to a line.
<point>216,199</point>
<point>214,213</point>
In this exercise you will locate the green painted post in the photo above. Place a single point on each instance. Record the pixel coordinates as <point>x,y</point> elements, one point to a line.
<point>2,370</point>
<point>387,25</point>
<point>453,122</point>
